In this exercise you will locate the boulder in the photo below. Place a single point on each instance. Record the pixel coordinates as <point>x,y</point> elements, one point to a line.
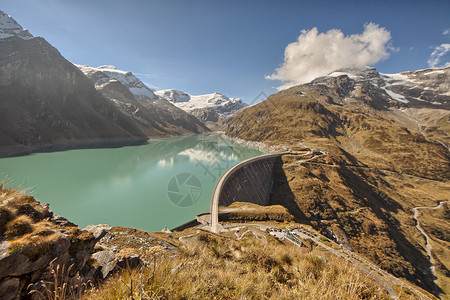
<point>98,231</point>
<point>107,261</point>
<point>10,288</point>
<point>111,262</point>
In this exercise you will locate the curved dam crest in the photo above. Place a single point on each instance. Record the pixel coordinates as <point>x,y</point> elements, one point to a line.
<point>248,181</point>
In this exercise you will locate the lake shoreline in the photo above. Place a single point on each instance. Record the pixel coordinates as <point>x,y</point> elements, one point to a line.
<point>138,186</point>
<point>95,143</point>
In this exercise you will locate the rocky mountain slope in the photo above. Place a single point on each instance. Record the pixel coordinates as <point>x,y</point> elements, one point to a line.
<point>207,108</point>
<point>46,103</point>
<point>386,139</point>
<point>103,74</point>
<point>152,114</point>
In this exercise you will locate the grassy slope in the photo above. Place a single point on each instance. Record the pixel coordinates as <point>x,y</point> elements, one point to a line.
<point>256,266</point>
<point>367,196</point>
<point>251,264</point>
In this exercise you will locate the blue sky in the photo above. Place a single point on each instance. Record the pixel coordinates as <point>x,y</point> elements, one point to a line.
<point>227,46</point>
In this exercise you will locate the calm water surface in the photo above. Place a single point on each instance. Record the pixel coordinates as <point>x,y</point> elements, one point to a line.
<point>162,184</point>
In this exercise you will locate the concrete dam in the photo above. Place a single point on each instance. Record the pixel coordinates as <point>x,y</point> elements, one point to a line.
<point>249,181</point>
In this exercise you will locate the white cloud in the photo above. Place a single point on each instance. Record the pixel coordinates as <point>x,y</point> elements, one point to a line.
<point>446,31</point>
<point>437,54</point>
<point>317,54</point>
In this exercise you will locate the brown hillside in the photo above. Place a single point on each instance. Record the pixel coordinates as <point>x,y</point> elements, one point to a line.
<point>379,166</point>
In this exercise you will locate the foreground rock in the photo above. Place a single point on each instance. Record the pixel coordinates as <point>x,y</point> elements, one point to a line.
<point>123,247</point>
<point>33,241</point>
<point>36,246</point>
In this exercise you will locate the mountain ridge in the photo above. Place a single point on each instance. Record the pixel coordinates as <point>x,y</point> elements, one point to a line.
<point>154,115</point>
<point>385,157</point>
<point>212,107</point>
<point>47,103</point>
<point>135,85</point>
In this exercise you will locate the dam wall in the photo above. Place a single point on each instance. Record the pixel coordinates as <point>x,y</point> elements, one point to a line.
<point>248,181</point>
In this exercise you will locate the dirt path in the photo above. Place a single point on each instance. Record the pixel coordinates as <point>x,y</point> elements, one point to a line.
<point>427,242</point>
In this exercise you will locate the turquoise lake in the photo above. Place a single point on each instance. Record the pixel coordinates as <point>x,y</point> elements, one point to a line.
<point>164,183</point>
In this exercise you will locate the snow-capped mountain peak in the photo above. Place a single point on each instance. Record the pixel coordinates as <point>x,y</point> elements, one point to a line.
<point>104,74</point>
<point>208,107</point>
<point>9,27</point>
<point>174,96</point>
<point>428,87</point>
<point>187,101</point>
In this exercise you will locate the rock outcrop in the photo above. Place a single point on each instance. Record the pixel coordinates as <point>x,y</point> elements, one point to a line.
<point>33,242</point>
<point>37,245</point>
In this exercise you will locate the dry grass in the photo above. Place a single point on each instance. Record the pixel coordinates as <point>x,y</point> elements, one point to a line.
<point>21,226</point>
<point>26,224</point>
<point>245,211</point>
<point>220,267</point>
<point>59,286</point>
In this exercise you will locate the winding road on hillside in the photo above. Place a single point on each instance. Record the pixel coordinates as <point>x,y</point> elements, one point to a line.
<point>428,246</point>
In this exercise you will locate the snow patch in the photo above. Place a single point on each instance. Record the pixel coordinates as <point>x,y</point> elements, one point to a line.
<point>9,27</point>
<point>396,96</point>
<point>337,74</point>
<point>188,102</point>
<point>174,96</point>
<point>435,72</point>
<point>136,86</point>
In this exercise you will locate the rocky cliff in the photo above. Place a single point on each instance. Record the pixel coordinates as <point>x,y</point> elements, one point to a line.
<point>46,102</point>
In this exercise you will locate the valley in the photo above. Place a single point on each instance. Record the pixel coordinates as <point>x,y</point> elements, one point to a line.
<point>348,198</point>
<point>378,169</point>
